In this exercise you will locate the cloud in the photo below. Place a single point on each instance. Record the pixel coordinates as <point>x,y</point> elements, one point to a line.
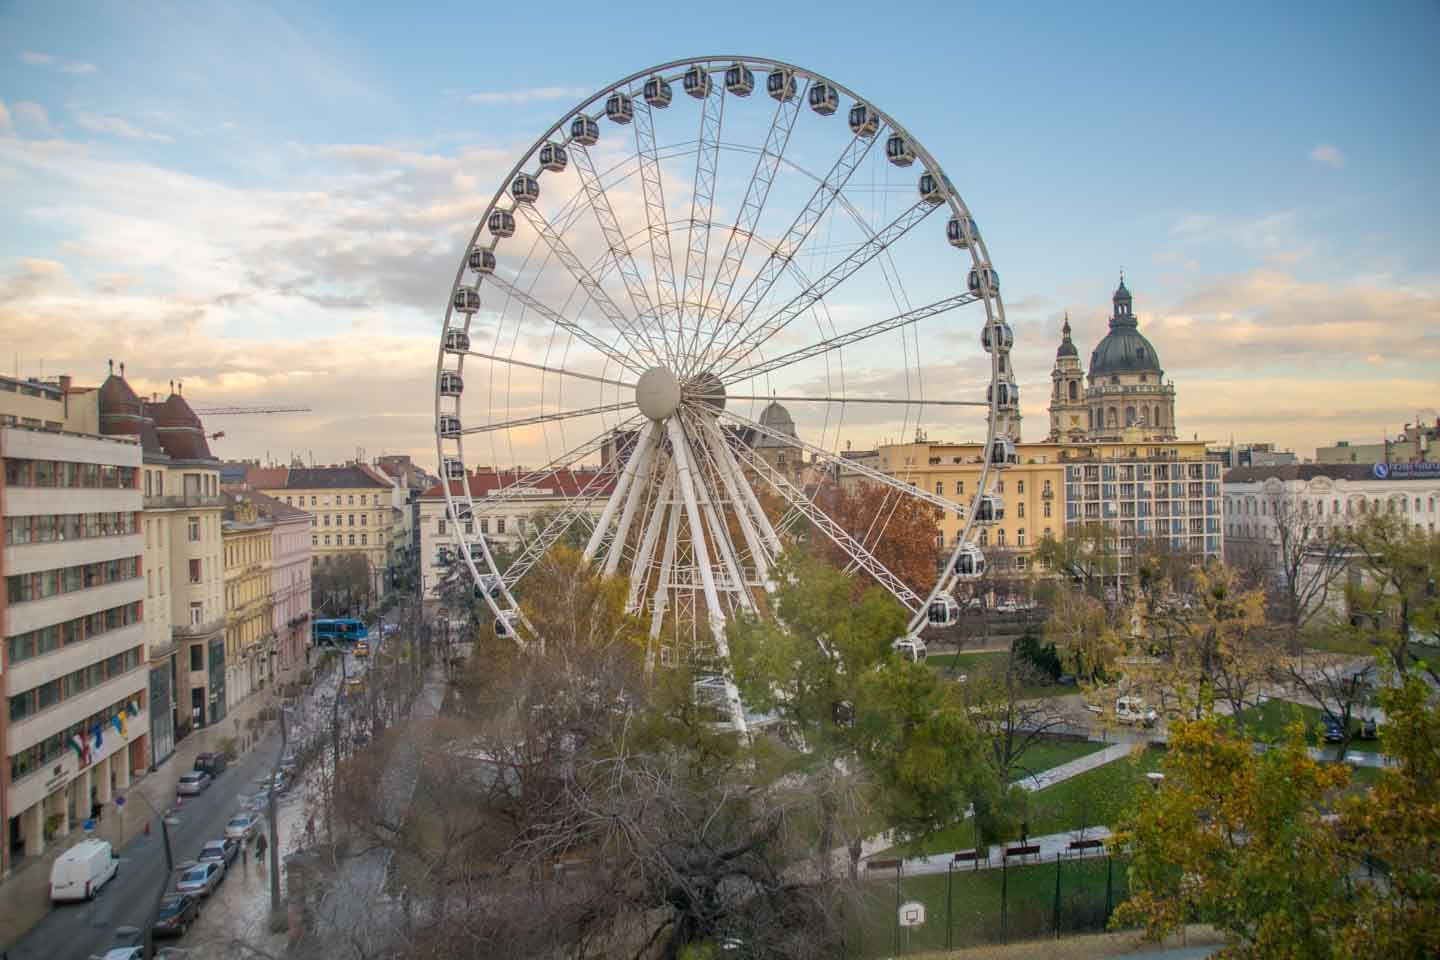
<point>532,95</point>
<point>49,60</point>
<point>1329,155</point>
<point>5,125</point>
<point>117,127</point>
<point>31,114</point>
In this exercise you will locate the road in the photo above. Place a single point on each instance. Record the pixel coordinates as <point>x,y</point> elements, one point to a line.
<point>240,906</point>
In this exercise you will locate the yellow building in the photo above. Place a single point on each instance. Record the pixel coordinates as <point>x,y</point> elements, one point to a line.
<point>249,595</point>
<point>1145,488</point>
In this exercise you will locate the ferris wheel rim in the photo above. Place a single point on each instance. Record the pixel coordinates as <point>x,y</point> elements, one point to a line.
<point>979,257</point>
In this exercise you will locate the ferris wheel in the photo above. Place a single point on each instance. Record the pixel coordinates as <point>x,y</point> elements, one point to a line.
<point>704,281</point>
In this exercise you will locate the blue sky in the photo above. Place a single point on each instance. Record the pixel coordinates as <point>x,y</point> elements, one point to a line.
<point>1266,177</point>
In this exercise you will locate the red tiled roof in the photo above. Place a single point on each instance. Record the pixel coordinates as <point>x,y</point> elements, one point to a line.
<point>266,478</point>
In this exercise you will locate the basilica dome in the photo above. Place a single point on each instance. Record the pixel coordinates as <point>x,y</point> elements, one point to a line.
<point>1124,349</point>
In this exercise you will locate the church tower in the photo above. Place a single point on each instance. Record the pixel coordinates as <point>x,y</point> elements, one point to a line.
<point>1127,385</point>
<point>1069,416</point>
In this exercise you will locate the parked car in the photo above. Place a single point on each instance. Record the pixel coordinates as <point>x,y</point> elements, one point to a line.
<point>1067,680</point>
<point>80,872</point>
<point>225,851</point>
<point>1132,710</point>
<point>1369,730</point>
<point>242,826</point>
<point>212,763</point>
<point>1334,731</point>
<point>390,629</point>
<point>177,912</point>
<point>196,781</point>
<point>201,879</point>
<point>281,782</point>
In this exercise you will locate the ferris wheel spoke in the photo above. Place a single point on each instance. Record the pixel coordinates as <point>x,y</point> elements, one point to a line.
<point>720,462</point>
<point>846,339</point>
<point>841,401</point>
<point>522,486</point>
<point>578,330</point>
<point>575,508</point>
<point>836,275</point>
<point>656,217</point>
<point>638,341</point>
<point>702,204</point>
<point>640,566</point>
<point>636,463</point>
<point>870,473</point>
<point>546,368</point>
<point>822,521</point>
<point>825,194</point>
<point>777,138</point>
<point>619,249</point>
<point>548,418</point>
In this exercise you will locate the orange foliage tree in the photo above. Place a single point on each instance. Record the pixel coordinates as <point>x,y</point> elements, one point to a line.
<point>902,532</point>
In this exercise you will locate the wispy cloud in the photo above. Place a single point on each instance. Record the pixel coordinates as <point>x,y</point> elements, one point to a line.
<point>31,114</point>
<point>532,95</point>
<point>1328,154</point>
<point>50,60</point>
<point>117,127</point>
<point>5,125</point>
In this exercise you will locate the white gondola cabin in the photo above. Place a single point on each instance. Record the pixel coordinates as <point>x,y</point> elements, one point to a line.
<point>824,99</point>
<point>482,260</point>
<point>943,611</point>
<point>525,189</point>
<point>697,82</point>
<point>451,384</point>
<point>990,279</point>
<point>584,131</point>
<point>910,648</point>
<point>657,92</point>
<point>1005,395</point>
<point>781,85</point>
<point>553,158</point>
<point>466,300</point>
<point>457,341</point>
<point>502,224</point>
<point>990,509</point>
<point>449,426</point>
<point>961,232</point>
<point>997,336</point>
<point>932,190</point>
<point>620,108</point>
<point>898,151</point>
<point>505,624</point>
<point>1002,452</point>
<point>739,80</point>
<point>864,122</point>
<point>489,585</point>
<point>454,469</point>
<point>970,563</point>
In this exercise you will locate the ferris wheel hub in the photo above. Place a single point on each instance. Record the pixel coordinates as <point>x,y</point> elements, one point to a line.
<point>657,393</point>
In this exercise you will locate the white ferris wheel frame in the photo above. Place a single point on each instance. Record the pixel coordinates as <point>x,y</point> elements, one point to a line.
<point>725,460</point>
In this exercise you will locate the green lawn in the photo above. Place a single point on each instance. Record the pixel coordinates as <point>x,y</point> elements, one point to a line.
<point>1047,754</point>
<point>1088,889</point>
<point>991,662</point>
<point>1269,720</point>
<point>1094,798</point>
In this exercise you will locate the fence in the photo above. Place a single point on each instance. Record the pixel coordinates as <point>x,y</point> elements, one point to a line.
<point>966,906</point>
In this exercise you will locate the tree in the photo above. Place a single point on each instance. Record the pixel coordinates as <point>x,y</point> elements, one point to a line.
<point>1081,629</point>
<point>902,532</point>
<point>339,582</point>
<point>1086,557</point>
<point>1264,846</point>
<point>1333,683</point>
<point>1394,592</point>
<point>1308,557</point>
<point>997,699</point>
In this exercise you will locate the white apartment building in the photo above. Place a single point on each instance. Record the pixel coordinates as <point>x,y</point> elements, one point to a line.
<point>73,664</point>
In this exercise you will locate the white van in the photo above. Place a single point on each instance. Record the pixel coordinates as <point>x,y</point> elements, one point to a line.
<point>80,872</point>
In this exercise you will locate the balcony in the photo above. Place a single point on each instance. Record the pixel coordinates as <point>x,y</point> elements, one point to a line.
<point>180,501</point>
<point>195,631</point>
<point>1113,389</point>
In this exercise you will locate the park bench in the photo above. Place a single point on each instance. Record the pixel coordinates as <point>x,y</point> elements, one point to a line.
<point>973,856</point>
<point>1029,850</point>
<point>1080,846</point>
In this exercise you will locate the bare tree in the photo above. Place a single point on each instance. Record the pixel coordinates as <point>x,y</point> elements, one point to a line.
<point>1338,685</point>
<point>1010,720</point>
<point>1308,556</point>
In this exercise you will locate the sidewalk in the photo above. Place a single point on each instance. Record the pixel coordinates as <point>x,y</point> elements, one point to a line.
<point>1051,845</point>
<point>26,891</point>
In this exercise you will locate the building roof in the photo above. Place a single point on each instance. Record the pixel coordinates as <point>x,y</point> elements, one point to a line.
<point>777,418</point>
<point>485,482</point>
<point>266,478</point>
<point>1302,471</point>
<point>347,477</point>
<point>1124,349</point>
<point>1067,346</point>
<point>267,505</point>
<point>181,433</point>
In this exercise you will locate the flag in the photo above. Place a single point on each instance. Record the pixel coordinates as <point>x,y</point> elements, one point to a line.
<point>118,723</point>
<point>79,749</point>
<point>96,732</point>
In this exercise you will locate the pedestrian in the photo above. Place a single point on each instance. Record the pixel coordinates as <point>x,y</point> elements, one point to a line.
<point>260,844</point>
<point>244,853</point>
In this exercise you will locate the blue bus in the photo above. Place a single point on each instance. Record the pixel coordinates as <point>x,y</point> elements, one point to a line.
<point>343,631</point>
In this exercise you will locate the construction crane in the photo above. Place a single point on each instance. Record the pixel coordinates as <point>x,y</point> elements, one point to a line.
<point>236,411</point>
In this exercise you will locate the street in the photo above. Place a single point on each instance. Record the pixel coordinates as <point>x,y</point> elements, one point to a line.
<point>239,908</point>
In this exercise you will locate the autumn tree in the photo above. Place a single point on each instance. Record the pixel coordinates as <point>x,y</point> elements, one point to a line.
<point>1394,593</point>
<point>902,532</point>
<point>1086,556</point>
<point>1307,557</point>
<point>1081,629</point>
<point>997,697</point>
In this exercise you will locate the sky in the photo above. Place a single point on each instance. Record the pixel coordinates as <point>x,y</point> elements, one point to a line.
<point>269,202</point>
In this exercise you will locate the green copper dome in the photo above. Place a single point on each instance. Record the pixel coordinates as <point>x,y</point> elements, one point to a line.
<point>1124,349</point>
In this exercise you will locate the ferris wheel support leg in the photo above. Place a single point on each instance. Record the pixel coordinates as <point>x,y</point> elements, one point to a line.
<point>639,570</point>
<point>740,505</point>
<point>662,584</point>
<point>639,459</point>
<point>762,522</point>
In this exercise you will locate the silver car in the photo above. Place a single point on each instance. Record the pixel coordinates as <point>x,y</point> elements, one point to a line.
<point>201,879</point>
<point>242,826</point>
<point>196,781</point>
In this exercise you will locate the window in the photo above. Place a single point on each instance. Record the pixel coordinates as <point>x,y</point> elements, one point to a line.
<point>939,488</point>
<point>352,539</point>
<point>959,488</point>
<point>362,500</point>
<point>984,538</point>
<point>363,539</point>
<point>484,524</point>
<point>327,539</point>
<point>364,518</point>
<point>1019,486</point>
<point>194,571</point>
<point>442,528</point>
<point>1020,537</point>
<point>327,520</point>
<point>197,613</point>
<point>197,658</point>
<point>352,520</point>
<point>1046,509</point>
<point>500,522</point>
<point>314,540</point>
<point>1020,509</point>
<point>193,529</point>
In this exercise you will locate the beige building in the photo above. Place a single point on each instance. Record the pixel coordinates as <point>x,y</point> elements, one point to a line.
<point>249,597</point>
<point>1415,443</point>
<point>73,664</point>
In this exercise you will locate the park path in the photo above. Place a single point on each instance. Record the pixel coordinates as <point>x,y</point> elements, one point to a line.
<point>1051,845</point>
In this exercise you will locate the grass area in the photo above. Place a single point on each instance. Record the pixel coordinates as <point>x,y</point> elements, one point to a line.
<point>1094,798</point>
<point>974,913</point>
<point>1269,720</point>
<point>991,662</point>
<point>1047,754</point>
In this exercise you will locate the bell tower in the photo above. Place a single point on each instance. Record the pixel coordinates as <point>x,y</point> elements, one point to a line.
<point>1068,414</point>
